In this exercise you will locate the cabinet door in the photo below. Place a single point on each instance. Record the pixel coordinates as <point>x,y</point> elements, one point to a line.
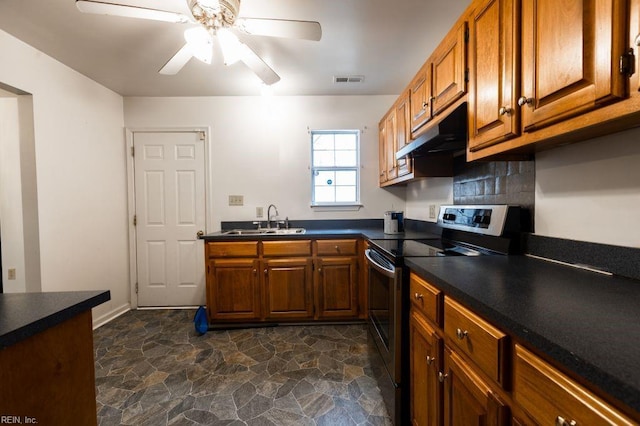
<point>288,290</point>
<point>337,287</point>
<point>403,118</point>
<point>493,73</point>
<point>426,361</point>
<point>570,57</point>
<point>421,98</point>
<point>449,69</point>
<point>233,291</point>
<point>382,151</point>
<point>468,399</point>
<point>390,146</point>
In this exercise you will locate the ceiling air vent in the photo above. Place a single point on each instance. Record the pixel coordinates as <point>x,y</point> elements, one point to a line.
<point>348,78</point>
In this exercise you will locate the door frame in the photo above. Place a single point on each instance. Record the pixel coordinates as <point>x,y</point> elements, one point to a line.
<point>131,193</point>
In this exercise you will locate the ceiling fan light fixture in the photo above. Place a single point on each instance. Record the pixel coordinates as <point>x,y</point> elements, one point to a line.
<point>199,43</point>
<point>232,48</point>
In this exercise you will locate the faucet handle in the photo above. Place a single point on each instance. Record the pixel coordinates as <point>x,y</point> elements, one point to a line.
<point>258,223</point>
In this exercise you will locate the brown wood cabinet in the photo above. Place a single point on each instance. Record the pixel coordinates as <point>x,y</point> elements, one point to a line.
<point>570,58</point>
<point>283,280</point>
<point>469,400</point>
<point>426,362</point>
<point>233,289</point>
<point>450,69</point>
<point>550,397</point>
<point>489,379</point>
<point>494,67</point>
<point>288,288</point>
<point>421,97</point>
<point>403,133</point>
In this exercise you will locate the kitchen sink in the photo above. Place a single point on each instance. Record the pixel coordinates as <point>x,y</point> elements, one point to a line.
<point>265,231</point>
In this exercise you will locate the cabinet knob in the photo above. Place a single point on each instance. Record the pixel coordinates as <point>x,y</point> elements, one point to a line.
<point>430,360</point>
<point>460,334</point>
<point>425,105</point>
<point>418,296</point>
<point>337,248</point>
<point>255,271</point>
<point>505,110</point>
<point>637,40</point>
<point>266,271</point>
<point>524,101</point>
<point>442,377</point>
<point>561,421</point>
<point>319,269</point>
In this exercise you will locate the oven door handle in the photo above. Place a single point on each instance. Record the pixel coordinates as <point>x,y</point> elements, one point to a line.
<point>391,273</point>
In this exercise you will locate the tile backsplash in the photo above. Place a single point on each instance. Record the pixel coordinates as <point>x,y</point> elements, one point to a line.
<point>495,182</point>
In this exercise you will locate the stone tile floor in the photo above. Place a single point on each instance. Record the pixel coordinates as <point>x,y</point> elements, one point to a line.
<point>152,368</point>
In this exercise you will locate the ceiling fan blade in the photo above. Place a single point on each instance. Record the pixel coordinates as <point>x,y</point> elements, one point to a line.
<point>306,30</point>
<point>102,8</point>
<point>177,61</point>
<point>258,66</point>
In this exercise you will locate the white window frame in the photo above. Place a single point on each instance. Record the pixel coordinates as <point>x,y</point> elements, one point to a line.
<point>355,205</point>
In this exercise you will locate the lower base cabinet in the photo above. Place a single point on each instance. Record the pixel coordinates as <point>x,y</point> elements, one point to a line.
<point>426,362</point>
<point>233,289</point>
<point>468,399</point>
<point>483,377</point>
<point>269,281</point>
<point>288,290</point>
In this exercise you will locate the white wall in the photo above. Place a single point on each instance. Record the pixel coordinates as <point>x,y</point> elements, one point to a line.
<point>81,174</point>
<point>590,191</point>
<point>260,148</point>
<point>426,192</point>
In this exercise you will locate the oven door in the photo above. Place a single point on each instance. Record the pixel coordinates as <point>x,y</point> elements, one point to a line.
<point>385,310</point>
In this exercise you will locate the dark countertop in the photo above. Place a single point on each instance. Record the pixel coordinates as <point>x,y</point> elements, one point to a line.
<point>24,314</point>
<point>587,322</point>
<point>369,233</point>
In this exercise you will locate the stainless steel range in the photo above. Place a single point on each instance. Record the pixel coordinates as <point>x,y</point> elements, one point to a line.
<point>466,231</point>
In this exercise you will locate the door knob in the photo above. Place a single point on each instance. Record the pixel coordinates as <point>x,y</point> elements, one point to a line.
<point>524,101</point>
<point>199,234</point>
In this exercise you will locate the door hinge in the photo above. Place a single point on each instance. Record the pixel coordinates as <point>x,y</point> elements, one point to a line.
<point>466,75</point>
<point>135,220</point>
<point>202,135</point>
<point>133,151</point>
<point>628,63</point>
<point>136,288</point>
<point>466,35</point>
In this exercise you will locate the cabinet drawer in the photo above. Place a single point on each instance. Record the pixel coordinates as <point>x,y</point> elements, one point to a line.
<point>551,398</point>
<point>235,249</point>
<point>426,298</point>
<point>286,248</point>
<point>483,343</point>
<point>336,247</point>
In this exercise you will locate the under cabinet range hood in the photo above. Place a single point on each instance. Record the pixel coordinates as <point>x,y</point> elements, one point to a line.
<point>449,134</point>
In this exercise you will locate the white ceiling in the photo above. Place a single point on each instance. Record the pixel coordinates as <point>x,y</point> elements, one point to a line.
<point>384,40</point>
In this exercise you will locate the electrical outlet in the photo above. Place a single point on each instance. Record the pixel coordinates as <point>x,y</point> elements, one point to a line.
<point>236,200</point>
<point>11,273</point>
<point>432,211</point>
<point>259,212</point>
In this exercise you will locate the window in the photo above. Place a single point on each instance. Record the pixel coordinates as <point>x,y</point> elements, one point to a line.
<point>335,172</point>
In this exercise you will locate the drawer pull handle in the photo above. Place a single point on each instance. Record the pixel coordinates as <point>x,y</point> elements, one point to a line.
<point>442,377</point>
<point>461,334</point>
<point>418,296</point>
<point>430,360</point>
<point>561,421</point>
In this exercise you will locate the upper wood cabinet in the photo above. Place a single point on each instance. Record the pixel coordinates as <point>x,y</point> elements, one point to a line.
<point>420,97</point>
<point>570,58</point>
<point>441,81</point>
<point>494,67</point>
<point>390,145</point>
<point>450,69</point>
<point>403,133</point>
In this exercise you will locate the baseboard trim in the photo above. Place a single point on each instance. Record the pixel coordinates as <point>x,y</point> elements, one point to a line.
<point>110,316</point>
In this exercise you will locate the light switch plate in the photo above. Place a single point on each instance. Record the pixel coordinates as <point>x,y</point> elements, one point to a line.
<point>236,200</point>
<point>259,212</point>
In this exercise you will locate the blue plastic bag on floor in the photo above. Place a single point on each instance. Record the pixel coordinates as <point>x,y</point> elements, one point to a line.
<point>200,320</point>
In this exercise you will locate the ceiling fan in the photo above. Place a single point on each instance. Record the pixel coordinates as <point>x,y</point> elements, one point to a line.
<point>215,19</point>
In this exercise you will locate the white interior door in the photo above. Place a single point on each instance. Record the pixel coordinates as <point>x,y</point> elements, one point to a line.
<point>170,210</point>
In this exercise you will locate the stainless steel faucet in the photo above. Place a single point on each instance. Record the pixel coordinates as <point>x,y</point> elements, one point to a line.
<point>269,214</point>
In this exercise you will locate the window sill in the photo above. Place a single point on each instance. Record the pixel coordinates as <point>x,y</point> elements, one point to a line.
<point>336,207</point>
